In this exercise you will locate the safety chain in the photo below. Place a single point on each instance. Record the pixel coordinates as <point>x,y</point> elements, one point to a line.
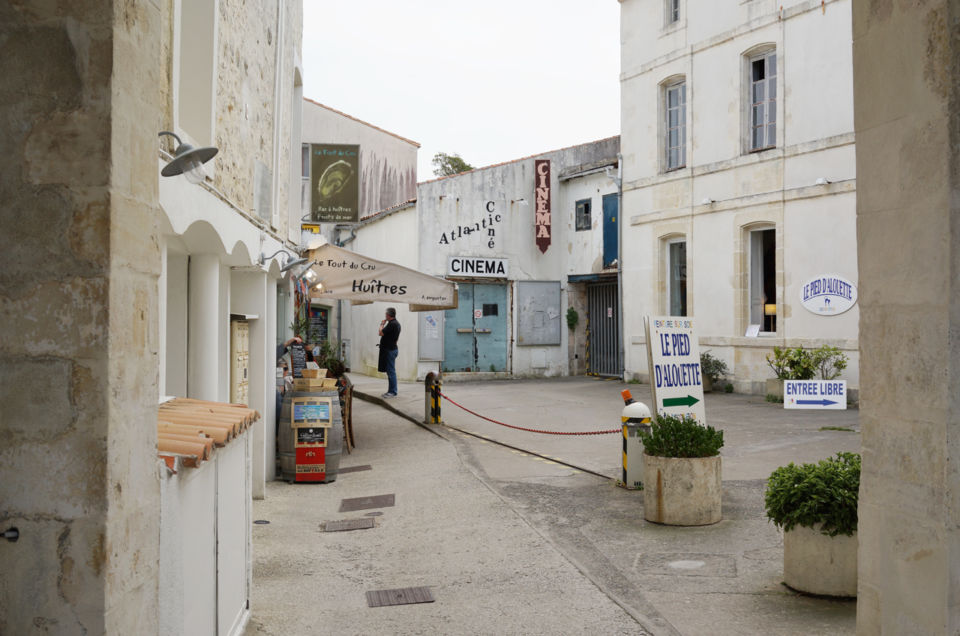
<point>529,430</point>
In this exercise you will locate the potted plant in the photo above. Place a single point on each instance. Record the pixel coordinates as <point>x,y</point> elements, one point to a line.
<point>816,506</point>
<point>803,364</point>
<point>712,369</point>
<point>681,472</point>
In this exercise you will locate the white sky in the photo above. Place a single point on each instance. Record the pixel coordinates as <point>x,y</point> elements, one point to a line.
<point>491,80</point>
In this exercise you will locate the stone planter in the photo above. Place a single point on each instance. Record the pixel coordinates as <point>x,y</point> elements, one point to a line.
<point>817,564</point>
<point>707,384</point>
<point>775,387</point>
<point>682,491</point>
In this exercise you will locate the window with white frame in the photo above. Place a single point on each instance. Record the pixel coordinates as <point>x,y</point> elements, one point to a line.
<point>762,69</point>
<point>763,279</point>
<point>676,266</point>
<point>582,220</point>
<point>671,12</point>
<point>305,181</point>
<point>675,125</point>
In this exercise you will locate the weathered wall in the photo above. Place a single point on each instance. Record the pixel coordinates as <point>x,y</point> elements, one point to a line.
<point>78,334</point>
<point>724,190</point>
<point>907,89</point>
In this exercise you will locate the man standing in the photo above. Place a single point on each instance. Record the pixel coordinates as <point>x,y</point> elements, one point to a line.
<point>389,334</point>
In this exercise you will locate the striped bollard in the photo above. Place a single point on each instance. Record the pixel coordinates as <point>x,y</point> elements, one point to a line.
<point>634,418</point>
<point>431,391</point>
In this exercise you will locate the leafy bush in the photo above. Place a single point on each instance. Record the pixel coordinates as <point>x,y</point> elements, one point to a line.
<point>680,436</point>
<point>711,367</point>
<point>573,318</point>
<point>824,493</point>
<point>803,364</point>
<point>728,388</point>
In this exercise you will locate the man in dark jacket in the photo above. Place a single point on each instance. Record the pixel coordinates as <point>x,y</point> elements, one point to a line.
<point>389,334</point>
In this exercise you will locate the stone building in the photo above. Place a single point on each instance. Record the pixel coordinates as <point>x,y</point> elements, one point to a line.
<point>119,284</point>
<point>480,229</point>
<point>739,177</point>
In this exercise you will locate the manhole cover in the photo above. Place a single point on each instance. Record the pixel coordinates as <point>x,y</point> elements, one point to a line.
<point>348,524</point>
<point>365,503</point>
<point>261,522</point>
<point>354,469</point>
<point>403,596</point>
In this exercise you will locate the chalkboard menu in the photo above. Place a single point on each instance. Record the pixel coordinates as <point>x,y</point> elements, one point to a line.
<point>319,325</point>
<point>298,357</point>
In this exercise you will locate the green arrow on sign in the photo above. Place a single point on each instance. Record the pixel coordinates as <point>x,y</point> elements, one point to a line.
<point>681,401</point>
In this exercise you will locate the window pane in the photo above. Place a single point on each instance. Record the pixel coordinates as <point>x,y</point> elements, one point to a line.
<point>305,160</point>
<point>772,65</point>
<point>772,88</point>
<point>758,115</point>
<point>758,92</point>
<point>683,94</point>
<point>772,135</point>
<point>756,140</point>
<point>673,159</point>
<point>673,116</point>
<point>672,97</point>
<point>677,278</point>
<point>758,71</point>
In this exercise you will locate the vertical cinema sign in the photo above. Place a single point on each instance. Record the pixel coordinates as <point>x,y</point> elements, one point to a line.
<point>542,221</point>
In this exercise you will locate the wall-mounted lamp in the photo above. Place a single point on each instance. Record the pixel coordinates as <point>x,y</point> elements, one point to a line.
<point>821,181</point>
<point>707,201</point>
<point>290,261</point>
<point>188,160</point>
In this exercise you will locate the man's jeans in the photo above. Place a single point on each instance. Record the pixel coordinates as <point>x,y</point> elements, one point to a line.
<point>392,371</point>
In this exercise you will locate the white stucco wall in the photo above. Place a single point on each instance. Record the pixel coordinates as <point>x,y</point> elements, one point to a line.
<point>723,189</point>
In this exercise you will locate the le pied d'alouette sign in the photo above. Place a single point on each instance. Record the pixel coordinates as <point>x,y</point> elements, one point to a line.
<point>828,295</point>
<point>676,379</point>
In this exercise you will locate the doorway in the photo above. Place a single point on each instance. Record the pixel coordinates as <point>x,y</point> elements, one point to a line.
<point>475,333</point>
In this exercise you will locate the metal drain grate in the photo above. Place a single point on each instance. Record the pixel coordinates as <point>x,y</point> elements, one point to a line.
<point>354,469</point>
<point>349,524</point>
<point>365,503</point>
<point>402,596</point>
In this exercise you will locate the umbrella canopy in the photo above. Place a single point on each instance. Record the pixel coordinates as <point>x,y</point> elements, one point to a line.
<point>340,273</point>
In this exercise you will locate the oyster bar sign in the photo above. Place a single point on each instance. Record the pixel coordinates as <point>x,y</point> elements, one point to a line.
<point>828,295</point>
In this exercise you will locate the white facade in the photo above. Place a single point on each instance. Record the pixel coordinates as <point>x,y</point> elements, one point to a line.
<point>751,212</point>
<point>488,215</point>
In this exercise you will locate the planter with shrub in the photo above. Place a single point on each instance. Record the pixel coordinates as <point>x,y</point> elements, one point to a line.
<point>711,370</point>
<point>803,364</point>
<point>816,506</point>
<point>681,472</point>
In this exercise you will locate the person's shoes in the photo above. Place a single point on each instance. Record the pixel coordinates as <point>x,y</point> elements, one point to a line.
<point>389,395</point>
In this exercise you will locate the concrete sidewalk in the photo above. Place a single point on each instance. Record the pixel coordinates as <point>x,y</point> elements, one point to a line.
<point>527,535</point>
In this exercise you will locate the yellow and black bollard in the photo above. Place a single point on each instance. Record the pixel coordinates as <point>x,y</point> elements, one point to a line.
<point>634,418</point>
<point>431,389</point>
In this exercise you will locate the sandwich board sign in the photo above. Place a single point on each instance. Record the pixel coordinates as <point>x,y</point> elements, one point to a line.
<point>815,394</point>
<point>673,356</point>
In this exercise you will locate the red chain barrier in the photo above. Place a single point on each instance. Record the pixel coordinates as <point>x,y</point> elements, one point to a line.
<point>531,430</point>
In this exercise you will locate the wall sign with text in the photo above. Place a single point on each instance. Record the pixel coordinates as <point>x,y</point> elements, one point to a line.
<point>828,295</point>
<point>477,267</point>
<point>542,190</point>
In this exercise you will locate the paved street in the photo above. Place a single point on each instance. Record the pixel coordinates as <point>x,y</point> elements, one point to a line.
<point>523,541</point>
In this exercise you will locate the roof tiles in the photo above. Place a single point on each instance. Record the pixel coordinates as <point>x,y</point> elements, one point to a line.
<point>192,429</point>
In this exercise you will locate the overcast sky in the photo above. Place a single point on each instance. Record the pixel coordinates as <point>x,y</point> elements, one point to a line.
<point>493,80</point>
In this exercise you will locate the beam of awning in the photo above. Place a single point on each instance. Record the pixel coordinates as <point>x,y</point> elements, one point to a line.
<point>347,275</point>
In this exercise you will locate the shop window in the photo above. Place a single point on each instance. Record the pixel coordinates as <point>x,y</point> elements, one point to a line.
<point>676,255</point>
<point>763,279</point>
<point>583,221</point>
<point>762,100</point>
<point>675,125</point>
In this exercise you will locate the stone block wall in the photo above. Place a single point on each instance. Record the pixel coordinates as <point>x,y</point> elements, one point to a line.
<point>78,334</point>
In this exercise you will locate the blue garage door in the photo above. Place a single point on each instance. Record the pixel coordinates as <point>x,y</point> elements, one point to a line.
<point>475,333</point>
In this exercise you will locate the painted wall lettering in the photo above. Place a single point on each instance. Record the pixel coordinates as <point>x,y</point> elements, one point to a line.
<point>484,225</point>
<point>542,219</point>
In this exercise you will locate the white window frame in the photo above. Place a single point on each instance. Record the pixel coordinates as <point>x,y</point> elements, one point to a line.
<point>671,12</point>
<point>760,100</point>
<point>756,282</point>
<point>668,269</point>
<point>679,85</point>
<point>583,204</point>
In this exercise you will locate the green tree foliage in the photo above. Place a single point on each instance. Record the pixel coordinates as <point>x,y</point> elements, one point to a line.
<point>826,493</point>
<point>445,165</point>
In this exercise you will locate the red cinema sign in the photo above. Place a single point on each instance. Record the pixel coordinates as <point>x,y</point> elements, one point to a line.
<point>542,220</point>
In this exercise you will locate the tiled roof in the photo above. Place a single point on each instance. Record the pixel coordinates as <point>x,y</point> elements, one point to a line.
<point>390,210</point>
<point>334,110</point>
<point>193,429</point>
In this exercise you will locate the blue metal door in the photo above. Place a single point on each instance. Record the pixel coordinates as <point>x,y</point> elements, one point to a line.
<point>475,333</point>
<point>610,214</point>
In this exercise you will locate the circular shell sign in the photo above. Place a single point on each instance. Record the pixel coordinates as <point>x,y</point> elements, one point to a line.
<point>828,295</point>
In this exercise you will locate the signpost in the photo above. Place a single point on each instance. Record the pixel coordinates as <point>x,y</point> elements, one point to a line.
<point>673,354</point>
<point>815,394</point>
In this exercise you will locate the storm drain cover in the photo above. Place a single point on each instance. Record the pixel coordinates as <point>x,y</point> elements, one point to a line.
<point>365,503</point>
<point>354,469</point>
<point>348,524</point>
<point>402,596</point>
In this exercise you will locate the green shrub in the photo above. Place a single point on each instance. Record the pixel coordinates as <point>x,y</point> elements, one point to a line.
<point>728,388</point>
<point>713,368</point>
<point>830,361</point>
<point>681,436</point>
<point>824,493</point>
<point>804,364</point>
<point>572,318</point>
